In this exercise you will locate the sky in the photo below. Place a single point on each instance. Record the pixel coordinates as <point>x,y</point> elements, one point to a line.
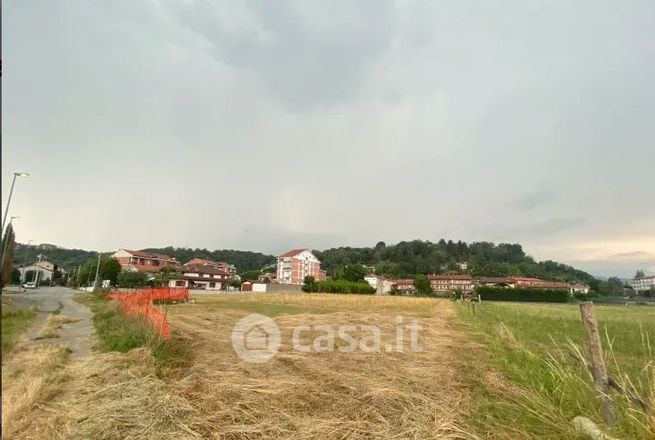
<point>265,126</point>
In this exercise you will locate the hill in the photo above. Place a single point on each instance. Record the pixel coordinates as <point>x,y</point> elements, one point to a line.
<point>482,259</point>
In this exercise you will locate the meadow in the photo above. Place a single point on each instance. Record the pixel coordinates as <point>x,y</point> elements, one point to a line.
<point>538,349</point>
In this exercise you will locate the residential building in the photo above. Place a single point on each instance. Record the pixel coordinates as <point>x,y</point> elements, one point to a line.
<point>579,288</point>
<point>227,267</point>
<point>643,283</point>
<point>269,277</point>
<point>42,270</point>
<point>139,261</point>
<point>203,277</point>
<point>532,283</point>
<point>382,285</point>
<point>504,282</point>
<point>445,283</point>
<point>293,266</point>
<point>403,286</point>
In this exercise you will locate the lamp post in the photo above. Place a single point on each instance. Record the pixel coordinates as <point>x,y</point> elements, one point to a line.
<point>11,191</point>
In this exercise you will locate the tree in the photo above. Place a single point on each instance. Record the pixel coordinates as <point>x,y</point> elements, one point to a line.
<point>132,279</point>
<point>250,275</point>
<point>15,276</point>
<point>165,275</point>
<point>639,274</point>
<point>354,273</point>
<point>422,284</point>
<point>109,269</point>
<point>8,242</point>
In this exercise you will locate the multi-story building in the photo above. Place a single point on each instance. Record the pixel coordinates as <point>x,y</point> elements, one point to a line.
<point>293,266</point>
<point>201,276</point>
<point>227,267</point>
<point>403,287</point>
<point>139,261</point>
<point>451,282</point>
<point>644,283</point>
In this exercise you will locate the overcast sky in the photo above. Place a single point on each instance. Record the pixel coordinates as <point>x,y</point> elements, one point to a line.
<point>267,125</point>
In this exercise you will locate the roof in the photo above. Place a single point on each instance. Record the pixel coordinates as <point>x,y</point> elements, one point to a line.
<point>201,268</point>
<point>646,277</point>
<point>450,277</point>
<point>405,281</point>
<point>292,253</point>
<point>505,280</point>
<point>143,254</point>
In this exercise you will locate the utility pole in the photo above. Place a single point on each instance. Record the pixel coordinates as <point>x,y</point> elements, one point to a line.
<point>95,281</point>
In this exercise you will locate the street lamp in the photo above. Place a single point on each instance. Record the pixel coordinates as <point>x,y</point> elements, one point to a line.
<point>11,191</point>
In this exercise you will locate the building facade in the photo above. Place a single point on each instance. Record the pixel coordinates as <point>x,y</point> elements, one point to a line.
<point>451,283</point>
<point>201,277</point>
<point>293,266</point>
<point>382,285</point>
<point>403,286</point>
<point>139,261</point>
<point>643,283</point>
<point>43,271</point>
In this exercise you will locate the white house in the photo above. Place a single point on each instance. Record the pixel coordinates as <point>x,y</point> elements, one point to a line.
<point>643,283</point>
<point>43,270</point>
<point>201,277</point>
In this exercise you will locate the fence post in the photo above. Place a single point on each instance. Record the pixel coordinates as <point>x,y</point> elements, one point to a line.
<point>598,369</point>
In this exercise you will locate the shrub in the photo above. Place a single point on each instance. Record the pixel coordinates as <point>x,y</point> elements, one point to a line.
<point>338,286</point>
<point>522,294</point>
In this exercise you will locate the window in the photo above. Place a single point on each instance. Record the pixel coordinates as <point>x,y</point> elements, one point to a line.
<point>212,284</point>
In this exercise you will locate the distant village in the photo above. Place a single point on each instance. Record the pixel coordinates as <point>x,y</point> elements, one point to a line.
<point>293,268</point>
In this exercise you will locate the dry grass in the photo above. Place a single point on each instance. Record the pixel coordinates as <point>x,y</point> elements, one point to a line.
<point>29,378</point>
<point>53,325</point>
<point>294,396</point>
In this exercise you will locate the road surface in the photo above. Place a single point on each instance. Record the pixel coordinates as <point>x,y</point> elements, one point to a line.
<point>49,300</point>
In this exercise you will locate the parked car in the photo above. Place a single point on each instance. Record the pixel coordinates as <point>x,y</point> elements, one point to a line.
<point>29,285</point>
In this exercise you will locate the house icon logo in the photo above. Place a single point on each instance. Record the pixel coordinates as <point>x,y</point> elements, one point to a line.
<point>256,338</point>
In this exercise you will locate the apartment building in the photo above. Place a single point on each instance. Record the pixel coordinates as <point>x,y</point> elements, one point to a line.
<point>293,266</point>
<point>451,282</point>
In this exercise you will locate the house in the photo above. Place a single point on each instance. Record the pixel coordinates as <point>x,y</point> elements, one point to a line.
<point>644,283</point>
<point>42,271</point>
<point>293,266</point>
<point>201,277</point>
<point>269,277</point>
<point>464,265</point>
<point>446,283</point>
<point>382,285</point>
<point>403,287</point>
<point>579,288</point>
<point>227,267</point>
<point>504,282</point>
<point>139,261</point>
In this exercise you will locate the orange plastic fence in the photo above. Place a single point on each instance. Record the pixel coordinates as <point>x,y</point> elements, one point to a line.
<point>141,302</point>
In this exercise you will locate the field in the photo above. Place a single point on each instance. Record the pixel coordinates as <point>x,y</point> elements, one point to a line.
<point>14,322</point>
<point>502,374</point>
<point>535,346</point>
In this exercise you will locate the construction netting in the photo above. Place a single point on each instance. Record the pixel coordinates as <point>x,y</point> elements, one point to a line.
<point>142,303</point>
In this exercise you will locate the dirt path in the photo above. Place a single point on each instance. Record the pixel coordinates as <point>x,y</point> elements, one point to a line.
<point>50,301</point>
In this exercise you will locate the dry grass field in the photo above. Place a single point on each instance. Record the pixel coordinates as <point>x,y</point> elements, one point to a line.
<point>293,396</point>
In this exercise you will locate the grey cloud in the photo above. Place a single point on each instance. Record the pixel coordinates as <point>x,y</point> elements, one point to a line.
<point>308,53</point>
<point>532,200</point>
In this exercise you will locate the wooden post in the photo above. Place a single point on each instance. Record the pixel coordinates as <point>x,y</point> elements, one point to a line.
<point>598,370</point>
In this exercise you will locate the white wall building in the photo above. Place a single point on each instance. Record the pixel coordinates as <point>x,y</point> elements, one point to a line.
<point>643,283</point>
<point>381,285</point>
<point>44,271</point>
<point>202,278</point>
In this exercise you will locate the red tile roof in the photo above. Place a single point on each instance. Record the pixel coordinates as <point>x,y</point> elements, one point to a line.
<point>292,253</point>
<point>143,254</point>
<point>201,268</point>
<point>450,277</point>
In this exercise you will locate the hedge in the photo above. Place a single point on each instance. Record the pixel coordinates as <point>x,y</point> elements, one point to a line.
<point>522,294</point>
<point>339,286</point>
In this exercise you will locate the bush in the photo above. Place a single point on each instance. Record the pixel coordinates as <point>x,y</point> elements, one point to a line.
<point>338,286</point>
<point>521,294</point>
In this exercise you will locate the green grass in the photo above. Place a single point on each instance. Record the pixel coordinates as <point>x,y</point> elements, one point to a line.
<point>14,323</point>
<point>117,332</point>
<point>546,387</point>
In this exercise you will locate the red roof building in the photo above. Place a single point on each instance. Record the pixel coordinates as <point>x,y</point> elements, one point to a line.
<point>294,265</point>
<point>140,261</point>
<point>445,283</point>
<point>230,268</point>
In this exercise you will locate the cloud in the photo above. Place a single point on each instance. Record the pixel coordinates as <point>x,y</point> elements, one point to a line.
<point>533,199</point>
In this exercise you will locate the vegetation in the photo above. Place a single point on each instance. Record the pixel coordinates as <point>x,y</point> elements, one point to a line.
<point>523,294</point>
<point>543,386</point>
<point>67,258</point>
<point>422,284</point>
<point>337,286</point>
<point>110,269</point>
<point>132,279</point>
<point>14,323</point>
<point>406,259</point>
<point>117,332</point>
<point>7,252</point>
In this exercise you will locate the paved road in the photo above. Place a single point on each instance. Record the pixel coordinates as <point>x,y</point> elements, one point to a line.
<point>48,300</point>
